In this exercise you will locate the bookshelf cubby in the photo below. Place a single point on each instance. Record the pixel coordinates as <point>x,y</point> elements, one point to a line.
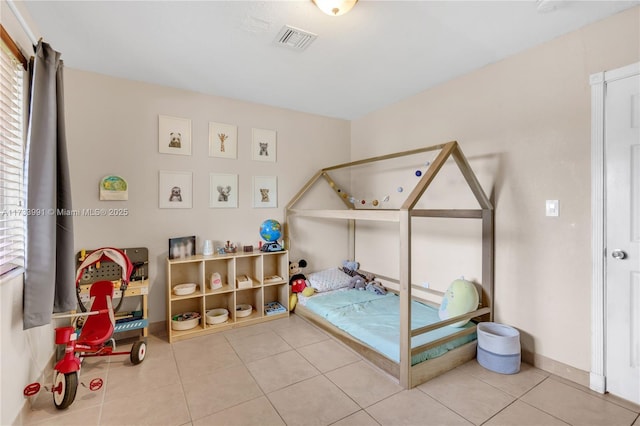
<point>269,274</point>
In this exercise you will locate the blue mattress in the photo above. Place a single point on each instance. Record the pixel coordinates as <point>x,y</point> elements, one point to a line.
<point>375,321</point>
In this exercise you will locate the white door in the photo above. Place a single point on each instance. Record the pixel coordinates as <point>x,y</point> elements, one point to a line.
<point>622,293</point>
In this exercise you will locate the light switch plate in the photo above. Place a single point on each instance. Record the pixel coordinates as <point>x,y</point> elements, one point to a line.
<point>553,208</point>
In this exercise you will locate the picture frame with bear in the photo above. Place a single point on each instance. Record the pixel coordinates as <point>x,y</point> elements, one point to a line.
<point>223,140</point>
<point>175,190</point>
<point>265,191</point>
<point>263,145</point>
<point>223,191</point>
<point>174,135</point>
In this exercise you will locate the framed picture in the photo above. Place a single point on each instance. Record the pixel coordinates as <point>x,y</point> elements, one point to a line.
<point>265,191</point>
<point>223,191</point>
<point>263,145</point>
<point>174,135</point>
<point>182,247</point>
<point>223,140</point>
<point>175,190</point>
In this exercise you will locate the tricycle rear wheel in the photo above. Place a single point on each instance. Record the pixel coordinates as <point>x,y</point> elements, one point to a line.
<point>138,352</point>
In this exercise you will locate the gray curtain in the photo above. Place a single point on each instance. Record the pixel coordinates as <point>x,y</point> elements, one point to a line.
<point>49,284</point>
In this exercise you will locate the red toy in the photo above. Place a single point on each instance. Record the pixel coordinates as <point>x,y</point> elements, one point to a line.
<point>94,335</point>
<point>297,280</point>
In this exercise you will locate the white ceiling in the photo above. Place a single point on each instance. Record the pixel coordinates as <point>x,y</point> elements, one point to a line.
<point>377,54</point>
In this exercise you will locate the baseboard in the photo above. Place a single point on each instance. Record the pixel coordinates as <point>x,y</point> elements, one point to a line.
<point>558,368</point>
<point>45,378</point>
<point>158,328</point>
<point>597,382</point>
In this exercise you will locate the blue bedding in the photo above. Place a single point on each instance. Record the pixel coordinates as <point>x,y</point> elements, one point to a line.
<point>375,321</point>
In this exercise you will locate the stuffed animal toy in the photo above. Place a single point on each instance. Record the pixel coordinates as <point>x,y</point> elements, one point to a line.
<point>297,280</point>
<point>461,297</point>
<point>357,283</point>
<point>350,265</point>
<point>293,301</point>
<point>376,287</point>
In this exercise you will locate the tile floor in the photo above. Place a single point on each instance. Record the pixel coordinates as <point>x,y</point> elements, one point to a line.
<point>288,372</point>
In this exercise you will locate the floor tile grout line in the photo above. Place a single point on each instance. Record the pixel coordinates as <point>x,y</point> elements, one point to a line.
<point>436,400</point>
<point>348,396</point>
<point>274,409</point>
<point>264,394</point>
<point>344,365</point>
<point>349,415</point>
<point>550,377</point>
<point>515,398</point>
<point>184,393</point>
<point>519,398</point>
<point>590,392</point>
<point>530,390</point>
<point>504,391</point>
<point>500,411</point>
<point>319,373</point>
<point>546,412</point>
<point>104,394</point>
<point>257,359</point>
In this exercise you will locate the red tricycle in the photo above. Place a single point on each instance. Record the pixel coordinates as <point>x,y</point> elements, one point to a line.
<point>94,338</point>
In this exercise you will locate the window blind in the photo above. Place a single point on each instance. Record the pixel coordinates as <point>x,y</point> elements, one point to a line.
<point>12,212</point>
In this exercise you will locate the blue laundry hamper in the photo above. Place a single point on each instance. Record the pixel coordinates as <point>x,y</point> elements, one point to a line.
<point>498,347</point>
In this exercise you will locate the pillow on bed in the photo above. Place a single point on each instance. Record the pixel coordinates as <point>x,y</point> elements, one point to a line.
<point>461,297</point>
<point>329,279</point>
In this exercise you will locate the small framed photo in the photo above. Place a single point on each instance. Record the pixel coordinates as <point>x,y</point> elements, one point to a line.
<point>223,140</point>
<point>263,145</point>
<point>175,190</point>
<point>223,191</point>
<point>182,247</point>
<point>265,191</point>
<point>174,135</point>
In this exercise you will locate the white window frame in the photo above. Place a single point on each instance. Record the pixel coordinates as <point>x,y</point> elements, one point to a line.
<point>12,152</point>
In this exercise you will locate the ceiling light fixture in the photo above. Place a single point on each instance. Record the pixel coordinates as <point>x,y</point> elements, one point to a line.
<point>335,7</point>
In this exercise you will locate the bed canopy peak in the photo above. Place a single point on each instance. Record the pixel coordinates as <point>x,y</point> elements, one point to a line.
<point>445,150</point>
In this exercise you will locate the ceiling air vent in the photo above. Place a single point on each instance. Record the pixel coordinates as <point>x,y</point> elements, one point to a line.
<point>294,38</point>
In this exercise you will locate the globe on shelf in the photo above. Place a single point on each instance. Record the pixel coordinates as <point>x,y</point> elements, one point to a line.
<point>271,231</point>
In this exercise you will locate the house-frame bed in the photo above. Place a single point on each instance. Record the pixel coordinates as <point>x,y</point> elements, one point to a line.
<point>409,375</point>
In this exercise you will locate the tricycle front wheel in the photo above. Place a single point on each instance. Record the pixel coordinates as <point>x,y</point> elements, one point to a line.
<point>65,386</point>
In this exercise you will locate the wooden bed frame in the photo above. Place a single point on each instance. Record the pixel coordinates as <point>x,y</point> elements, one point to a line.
<point>408,375</point>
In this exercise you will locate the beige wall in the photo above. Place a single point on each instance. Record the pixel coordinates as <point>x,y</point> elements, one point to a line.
<point>525,121</point>
<point>112,128</point>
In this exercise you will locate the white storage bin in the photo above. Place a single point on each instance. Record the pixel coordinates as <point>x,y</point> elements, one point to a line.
<point>498,347</point>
